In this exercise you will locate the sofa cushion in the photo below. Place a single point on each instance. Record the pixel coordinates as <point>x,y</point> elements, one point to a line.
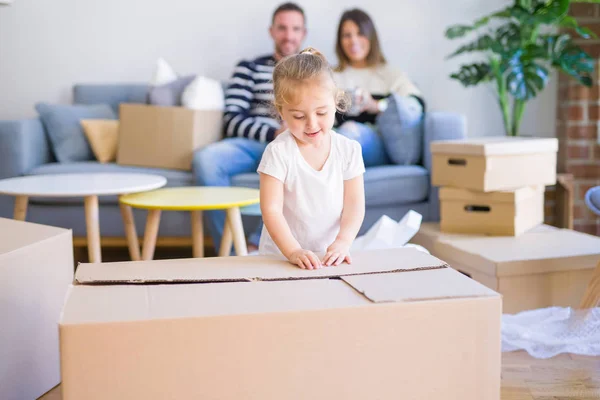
<point>169,94</point>
<point>384,185</point>
<point>63,127</point>
<point>175,178</point>
<point>401,126</point>
<point>103,137</point>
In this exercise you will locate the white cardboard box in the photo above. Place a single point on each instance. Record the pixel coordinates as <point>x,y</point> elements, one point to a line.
<point>543,267</point>
<point>494,163</point>
<point>36,269</point>
<point>396,323</point>
<point>503,213</point>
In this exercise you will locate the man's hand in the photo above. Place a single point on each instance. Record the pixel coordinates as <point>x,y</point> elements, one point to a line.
<point>337,253</point>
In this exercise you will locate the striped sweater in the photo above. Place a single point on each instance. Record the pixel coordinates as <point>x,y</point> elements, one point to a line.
<point>248,99</point>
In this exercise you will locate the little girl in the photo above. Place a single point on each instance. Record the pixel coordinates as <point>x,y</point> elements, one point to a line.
<point>311,178</point>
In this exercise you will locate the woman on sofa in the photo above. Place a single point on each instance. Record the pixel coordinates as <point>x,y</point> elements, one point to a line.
<point>387,110</point>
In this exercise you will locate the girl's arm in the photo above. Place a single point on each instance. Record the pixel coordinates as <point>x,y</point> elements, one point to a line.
<point>353,212</point>
<point>271,206</point>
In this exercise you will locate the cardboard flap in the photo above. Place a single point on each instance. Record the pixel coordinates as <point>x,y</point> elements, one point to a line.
<point>113,303</point>
<point>17,234</point>
<point>500,145</point>
<point>424,285</point>
<point>250,268</point>
<point>505,196</point>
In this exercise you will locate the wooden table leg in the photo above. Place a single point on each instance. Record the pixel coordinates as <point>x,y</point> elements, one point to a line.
<point>20,212</point>
<point>226,240</point>
<point>130,232</point>
<point>92,220</point>
<point>237,229</point>
<point>150,235</point>
<point>197,234</point>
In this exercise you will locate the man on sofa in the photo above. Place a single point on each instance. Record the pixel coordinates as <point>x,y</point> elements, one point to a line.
<point>248,121</point>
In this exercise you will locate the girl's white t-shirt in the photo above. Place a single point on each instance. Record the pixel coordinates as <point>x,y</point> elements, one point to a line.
<point>312,200</point>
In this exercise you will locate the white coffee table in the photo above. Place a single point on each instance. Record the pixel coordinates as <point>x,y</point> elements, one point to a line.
<point>86,185</point>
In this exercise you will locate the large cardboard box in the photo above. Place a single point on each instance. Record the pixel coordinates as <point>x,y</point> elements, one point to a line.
<point>494,163</point>
<point>396,324</point>
<point>503,213</point>
<point>36,269</point>
<point>165,137</point>
<point>544,267</point>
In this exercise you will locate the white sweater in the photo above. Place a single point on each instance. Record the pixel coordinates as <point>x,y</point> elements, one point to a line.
<point>380,81</point>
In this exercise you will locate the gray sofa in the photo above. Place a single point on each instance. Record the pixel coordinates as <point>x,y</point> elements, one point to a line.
<point>25,150</point>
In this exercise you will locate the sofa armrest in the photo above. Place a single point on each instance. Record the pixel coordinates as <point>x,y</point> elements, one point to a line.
<point>440,126</point>
<point>23,146</point>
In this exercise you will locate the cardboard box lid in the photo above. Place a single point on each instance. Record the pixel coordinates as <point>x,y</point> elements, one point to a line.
<point>530,253</point>
<point>496,145</point>
<point>504,196</point>
<point>249,268</point>
<point>115,292</point>
<point>15,235</point>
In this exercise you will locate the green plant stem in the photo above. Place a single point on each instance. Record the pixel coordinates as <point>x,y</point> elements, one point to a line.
<point>517,115</point>
<point>502,95</point>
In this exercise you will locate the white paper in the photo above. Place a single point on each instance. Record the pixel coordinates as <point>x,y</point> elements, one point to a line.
<point>387,233</point>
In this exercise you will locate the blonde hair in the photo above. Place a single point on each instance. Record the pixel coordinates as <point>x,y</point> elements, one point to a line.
<point>299,68</point>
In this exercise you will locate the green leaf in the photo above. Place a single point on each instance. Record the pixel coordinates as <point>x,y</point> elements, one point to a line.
<point>473,74</point>
<point>571,23</point>
<point>484,43</point>
<point>551,11</point>
<point>526,80</point>
<point>569,58</point>
<point>457,31</point>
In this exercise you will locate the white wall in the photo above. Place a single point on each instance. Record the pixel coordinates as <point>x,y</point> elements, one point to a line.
<point>46,46</point>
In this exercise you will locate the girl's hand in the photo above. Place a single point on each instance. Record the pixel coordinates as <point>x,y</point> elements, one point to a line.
<point>305,259</point>
<point>337,253</point>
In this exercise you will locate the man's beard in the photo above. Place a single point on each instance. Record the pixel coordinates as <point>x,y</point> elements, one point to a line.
<point>279,50</point>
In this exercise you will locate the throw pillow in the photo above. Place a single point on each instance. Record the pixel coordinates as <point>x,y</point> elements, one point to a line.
<point>371,143</point>
<point>203,94</point>
<point>62,124</point>
<point>401,126</point>
<point>163,73</point>
<point>169,94</point>
<point>103,135</point>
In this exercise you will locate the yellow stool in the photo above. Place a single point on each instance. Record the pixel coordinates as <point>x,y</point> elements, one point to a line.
<point>195,200</point>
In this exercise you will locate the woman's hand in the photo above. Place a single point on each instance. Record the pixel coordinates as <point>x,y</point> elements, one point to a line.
<point>368,103</point>
<point>337,253</point>
<point>305,259</point>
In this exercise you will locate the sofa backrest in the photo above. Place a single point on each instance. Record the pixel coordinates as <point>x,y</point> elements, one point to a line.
<point>112,94</point>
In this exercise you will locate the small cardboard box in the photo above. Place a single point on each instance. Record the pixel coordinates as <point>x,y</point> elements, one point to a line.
<point>503,213</point>
<point>494,163</point>
<point>397,323</point>
<point>36,269</point>
<point>543,267</point>
<point>165,137</point>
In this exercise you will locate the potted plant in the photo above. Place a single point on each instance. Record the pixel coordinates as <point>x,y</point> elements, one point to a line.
<point>520,44</point>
